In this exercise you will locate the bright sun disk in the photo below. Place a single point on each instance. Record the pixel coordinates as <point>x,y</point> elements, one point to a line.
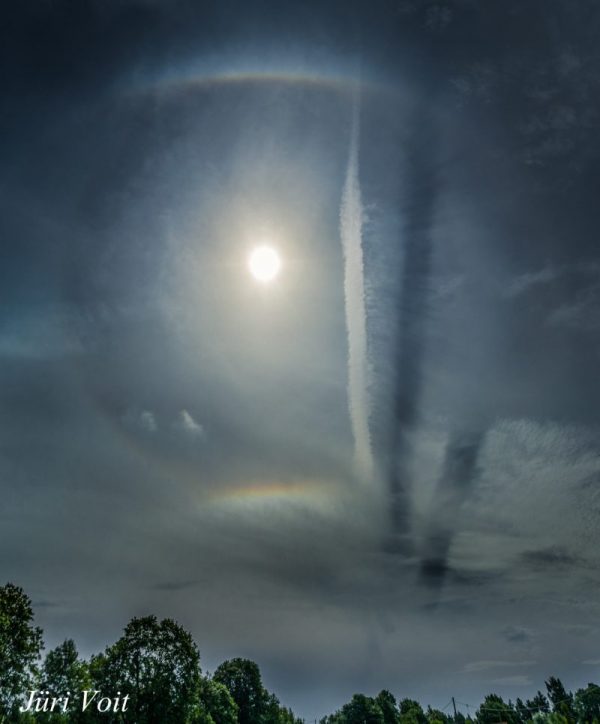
<point>264,263</point>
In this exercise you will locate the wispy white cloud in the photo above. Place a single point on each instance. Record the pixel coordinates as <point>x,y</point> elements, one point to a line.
<point>38,333</point>
<point>582,312</point>
<point>524,282</point>
<point>475,666</point>
<point>351,221</point>
<point>517,634</point>
<point>518,680</point>
<point>588,272</point>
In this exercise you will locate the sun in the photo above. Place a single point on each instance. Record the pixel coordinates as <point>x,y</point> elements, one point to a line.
<point>264,263</point>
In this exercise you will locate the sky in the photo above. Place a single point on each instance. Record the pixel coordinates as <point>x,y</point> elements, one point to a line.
<point>380,470</point>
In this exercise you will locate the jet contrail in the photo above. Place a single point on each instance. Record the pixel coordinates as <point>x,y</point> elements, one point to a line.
<point>351,219</point>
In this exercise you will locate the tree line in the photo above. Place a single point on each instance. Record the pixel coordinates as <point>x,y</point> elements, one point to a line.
<point>152,675</point>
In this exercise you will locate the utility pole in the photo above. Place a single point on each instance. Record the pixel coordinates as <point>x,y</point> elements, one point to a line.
<point>454,707</point>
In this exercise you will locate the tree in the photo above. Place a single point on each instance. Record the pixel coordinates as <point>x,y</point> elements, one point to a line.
<point>362,710</point>
<point>389,707</point>
<point>217,703</point>
<point>562,702</point>
<point>242,679</point>
<point>274,713</point>
<point>287,716</point>
<point>587,704</point>
<point>538,703</point>
<point>158,665</point>
<point>435,716</point>
<point>20,647</point>
<point>523,711</point>
<point>63,671</point>
<point>411,712</point>
<point>494,710</point>
<point>548,718</point>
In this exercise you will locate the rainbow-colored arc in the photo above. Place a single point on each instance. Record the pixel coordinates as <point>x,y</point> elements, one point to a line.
<point>175,80</point>
<point>300,492</point>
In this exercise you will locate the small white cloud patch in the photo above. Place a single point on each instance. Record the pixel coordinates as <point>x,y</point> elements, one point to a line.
<point>188,425</point>
<point>147,421</point>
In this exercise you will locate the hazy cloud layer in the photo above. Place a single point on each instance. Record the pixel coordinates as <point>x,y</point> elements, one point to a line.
<point>176,439</point>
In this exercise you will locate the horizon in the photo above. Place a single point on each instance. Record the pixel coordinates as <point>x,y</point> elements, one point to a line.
<point>467,709</point>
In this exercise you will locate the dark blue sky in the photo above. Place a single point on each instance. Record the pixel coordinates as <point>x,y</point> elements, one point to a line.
<point>379,471</point>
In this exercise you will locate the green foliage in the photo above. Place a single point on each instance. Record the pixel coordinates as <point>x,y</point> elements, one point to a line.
<point>360,709</point>
<point>287,716</point>
<point>523,711</point>
<point>255,705</point>
<point>242,679</point>
<point>20,649</point>
<point>435,716</point>
<point>363,710</point>
<point>64,672</point>
<point>158,665</point>
<point>494,710</point>
<point>548,718</point>
<point>216,703</point>
<point>389,707</point>
<point>274,713</point>
<point>538,705</point>
<point>587,704</point>
<point>562,702</point>
<point>411,712</point>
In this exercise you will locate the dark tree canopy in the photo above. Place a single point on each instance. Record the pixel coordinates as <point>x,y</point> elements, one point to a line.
<point>242,678</point>
<point>389,707</point>
<point>217,703</point>
<point>435,716</point>
<point>360,709</point>
<point>411,712</point>
<point>20,647</point>
<point>158,664</point>
<point>587,704</point>
<point>494,710</point>
<point>539,703</point>
<point>562,701</point>
<point>64,672</point>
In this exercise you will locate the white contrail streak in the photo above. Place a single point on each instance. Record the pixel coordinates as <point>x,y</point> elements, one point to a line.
<point>351,220</point>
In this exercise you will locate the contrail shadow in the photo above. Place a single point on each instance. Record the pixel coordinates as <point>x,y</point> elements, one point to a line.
<point>421,186</point>
<point>458,474</point>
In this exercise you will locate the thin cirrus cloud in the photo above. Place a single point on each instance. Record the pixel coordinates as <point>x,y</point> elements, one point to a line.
<point>512,681</point>
<point>475,666</point>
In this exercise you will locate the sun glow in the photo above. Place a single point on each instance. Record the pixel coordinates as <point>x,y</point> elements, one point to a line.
<point>264,263</point>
